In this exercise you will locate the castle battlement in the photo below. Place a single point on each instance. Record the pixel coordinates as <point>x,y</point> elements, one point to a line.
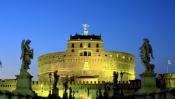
<point>86,56</point>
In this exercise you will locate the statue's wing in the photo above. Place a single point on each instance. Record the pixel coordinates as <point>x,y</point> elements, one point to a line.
<point>22,48</point>
<point>151,51</point>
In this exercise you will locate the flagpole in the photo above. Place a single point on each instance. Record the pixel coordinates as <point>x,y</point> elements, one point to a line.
<point>169,63</point>
<point>167,69</point>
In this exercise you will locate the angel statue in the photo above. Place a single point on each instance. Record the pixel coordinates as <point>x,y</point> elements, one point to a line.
<point>146,54</point>
<point>56,78</point>
<point>27,54</point>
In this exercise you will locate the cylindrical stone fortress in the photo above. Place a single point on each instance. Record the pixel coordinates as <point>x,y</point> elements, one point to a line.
<point>86,60</point>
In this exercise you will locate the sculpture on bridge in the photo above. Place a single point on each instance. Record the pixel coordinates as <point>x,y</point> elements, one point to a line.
<point>26,55</point>
<point>24,79</point>
<point>56,77</point>
<point>146,53</point>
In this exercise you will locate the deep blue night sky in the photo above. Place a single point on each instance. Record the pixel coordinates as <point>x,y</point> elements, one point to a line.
<point>122,23</point>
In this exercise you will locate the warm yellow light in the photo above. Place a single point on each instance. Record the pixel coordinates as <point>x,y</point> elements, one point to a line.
<point>86,66</point>
<point>85,97</point>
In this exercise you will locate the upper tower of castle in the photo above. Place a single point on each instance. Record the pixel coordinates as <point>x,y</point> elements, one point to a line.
<point>85,44</point>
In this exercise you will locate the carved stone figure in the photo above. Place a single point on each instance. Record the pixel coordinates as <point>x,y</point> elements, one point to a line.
<point>115,77</point>
<point>73,96</point>
<point>148,77</point>
<point>85,28</point>
<point>70,93</point>
<point>24,79</point>
<point>115,83</point>
<point>65,84</point>
<point>146,54</point>
<point>56,77</point>
<point>121,75</point>
<point>27,54</point>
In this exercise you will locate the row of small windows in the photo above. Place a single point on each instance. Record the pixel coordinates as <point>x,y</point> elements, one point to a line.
<point>97,50</point>
<point>81,45</point>
<point>85,53</point>
<point>6,85</point>
<point>88,82</point>
<point>93,60</point>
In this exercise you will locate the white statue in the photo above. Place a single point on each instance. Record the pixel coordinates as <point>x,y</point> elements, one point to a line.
<point>85,28</point>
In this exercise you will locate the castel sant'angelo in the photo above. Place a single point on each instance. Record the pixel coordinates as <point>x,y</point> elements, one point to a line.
<point>87,61</point>
<point>87,69</point>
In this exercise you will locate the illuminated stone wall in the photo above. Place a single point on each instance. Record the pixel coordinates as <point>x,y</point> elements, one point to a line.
<point>81,89</point>
<point>168,79</point>
<point>8,84</point>
<point>86,56</point>
<point>42,88</point>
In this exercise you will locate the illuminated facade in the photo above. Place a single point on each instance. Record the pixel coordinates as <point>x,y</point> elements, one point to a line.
<point>90,66</point>
<point>87,61</point>
<point>167,79</point>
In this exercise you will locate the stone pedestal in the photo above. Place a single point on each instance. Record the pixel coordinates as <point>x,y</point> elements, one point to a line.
<point>148,83</point>
<point>23,86</point>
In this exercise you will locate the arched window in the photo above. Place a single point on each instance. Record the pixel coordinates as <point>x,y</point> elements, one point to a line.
<point>89,53</point>
<point>85,53</point>
<point>72,50</point>
<point>81,45</point>
<point>72,45</point>
<point>97,45</point>
<point>81,54</point>
<point>89,45</point>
